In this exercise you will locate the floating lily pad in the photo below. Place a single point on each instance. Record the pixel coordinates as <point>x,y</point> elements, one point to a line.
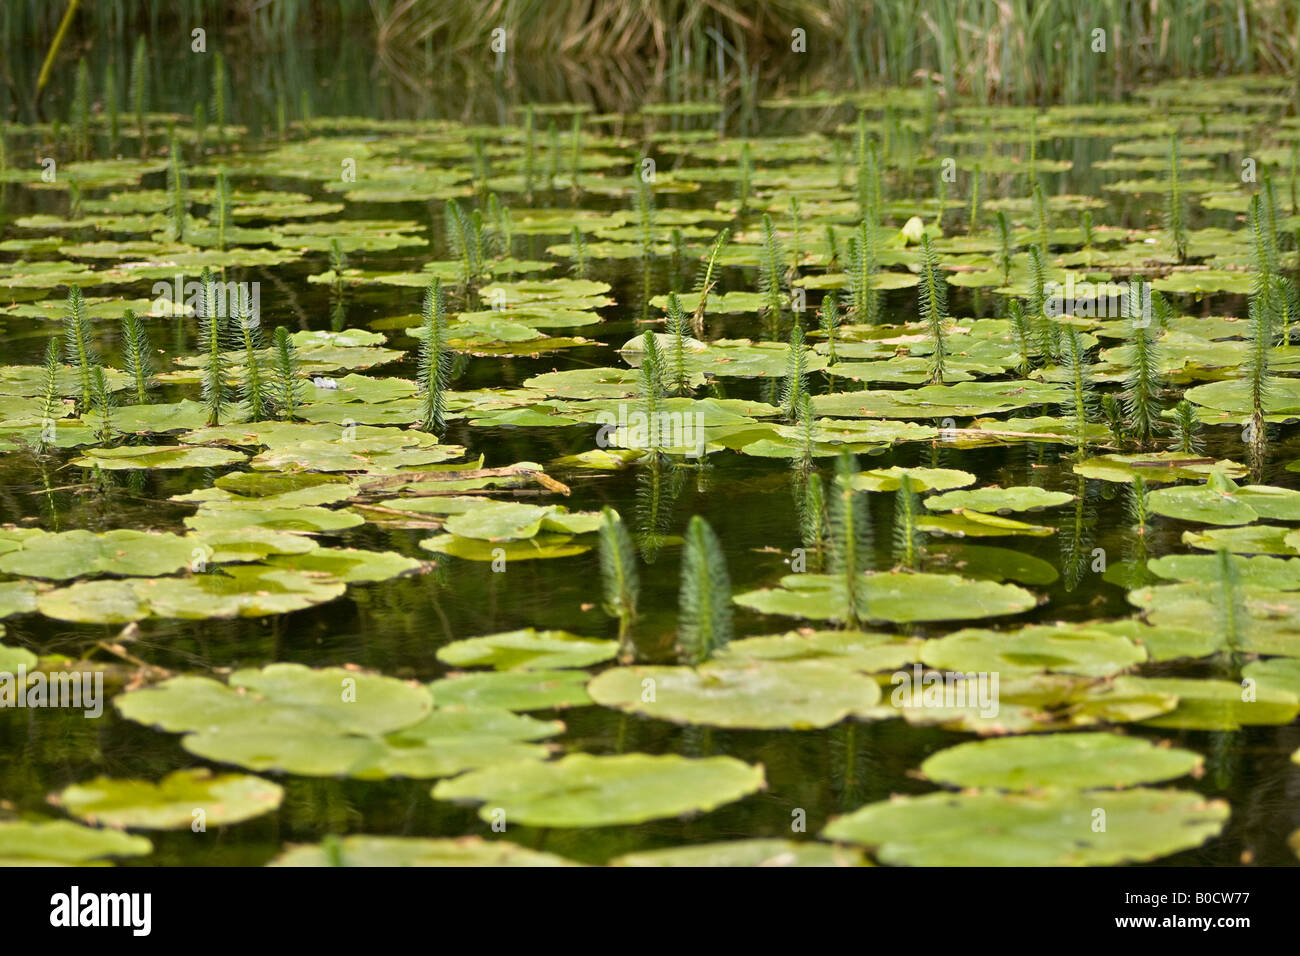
<point>1058,649</point>
<point>72,554</point>
<point>585,791</point>
<point>63,843</point>
<point>746,853</point>
<point>372,851</point>
<point>898,597</point>
<point>171,803</point>
<point>761,695</point>
<point>518,690</point>
<point>528,649</point>
<point>1051,829</point>
<point>1075,761</point>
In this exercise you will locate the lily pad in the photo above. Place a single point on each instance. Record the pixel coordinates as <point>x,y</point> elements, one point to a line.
<point>1049,829</point>
<point>760,695</point>
<point>528,649</point>
<point>171,803</point>
<point>585,791</point>
<point>1074,761</point>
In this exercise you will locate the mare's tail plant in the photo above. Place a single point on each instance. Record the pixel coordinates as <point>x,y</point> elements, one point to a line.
<point>795,385</point>
<point>213,334</point>
<point>849,523</point>
<point>286,380</point>
<point>704,617</point>
<point>1006,247</point>
<point>907,537</point>
<point>221,208</point>
<point>435,360</point>
<point>177,204</point>
<point>771,269</point>
<point>79,346</point>
<point>101,397</point>
<point>1186,429</point>
<point>1142,375</point>
<point>652,389</point>
<point>862,271</point>
<point>137,361</point>
<point>932,294</point>
<point>829,321</point>
<point>51,395</point>
<point>677,328</point>
<point>707,280</point>
<point>139,91</point>
<point>1175,206</point>
<point>255,390</point>
<point>1024,332</point>
<point>579,253</point>
<point>1139,510</point>
<point>1076,364</point>
<point>619,575</point>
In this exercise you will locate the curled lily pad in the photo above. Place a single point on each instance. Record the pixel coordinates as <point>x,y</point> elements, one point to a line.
<point>746,853</point>
<point>63,843</point>
<point>528,649</point>
<point>794,695</point>
<point>585,791</point>
<point>1075,761</point>
<point>372,851</point>
<point>1051,829</point>
<point>171,803</point>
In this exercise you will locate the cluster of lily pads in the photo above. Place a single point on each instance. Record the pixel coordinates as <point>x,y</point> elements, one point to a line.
<point>839,254</point>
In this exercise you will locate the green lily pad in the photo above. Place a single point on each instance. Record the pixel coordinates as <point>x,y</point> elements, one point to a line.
<point>372,851</point>
<point>898,597</point>
<point>1218,704</point>
<point>761,695</point>
<point>855,650</point>
<point>746,853</point>
<point>1037,648</point>
<point>157,457</point>
<point>513,690</point>
<point>988,500</point>
<point>63,843</point>
<point>72,554</point>
<point>171,803</point>
<point>1074,761</point>
<point>328,701</point>
<point>585,791</point>
<point>1050,829</point>
<point>528,649</point>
